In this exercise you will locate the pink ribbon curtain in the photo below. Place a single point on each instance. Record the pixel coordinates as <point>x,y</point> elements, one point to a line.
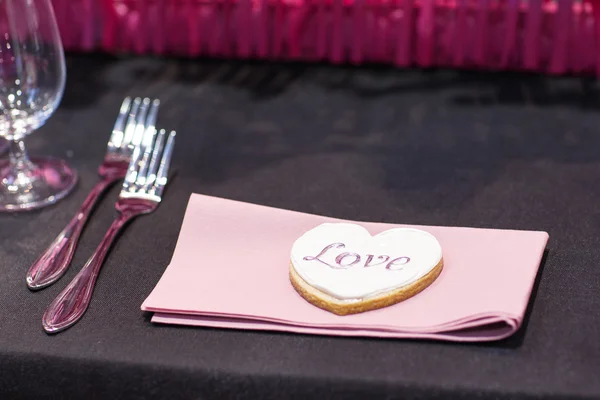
<point>548,36</point>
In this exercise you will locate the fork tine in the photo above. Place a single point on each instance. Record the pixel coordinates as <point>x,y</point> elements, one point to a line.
<point>165,162</point>
<point>146,148</point>
<point>116,139</point>
<point>140,123</point>
<point>132,170</point>
<point>156,153</point>
<point>152,114</point>
<point>148,140</point>
<point>131,122</point>
<point>136,146</point>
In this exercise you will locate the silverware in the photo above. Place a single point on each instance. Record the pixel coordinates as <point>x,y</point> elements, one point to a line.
<point>141,194</point>
<point>135,117</point>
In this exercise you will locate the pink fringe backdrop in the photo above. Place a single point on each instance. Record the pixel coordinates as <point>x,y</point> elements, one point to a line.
<point>547,36</point>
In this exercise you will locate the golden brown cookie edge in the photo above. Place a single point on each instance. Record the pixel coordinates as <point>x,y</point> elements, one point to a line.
<point>329,303</point>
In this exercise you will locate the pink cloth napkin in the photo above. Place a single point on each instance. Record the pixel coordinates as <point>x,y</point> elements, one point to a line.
<point>230,270</point>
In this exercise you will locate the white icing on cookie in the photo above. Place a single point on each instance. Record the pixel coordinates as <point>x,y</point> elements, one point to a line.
<point>346,262</point>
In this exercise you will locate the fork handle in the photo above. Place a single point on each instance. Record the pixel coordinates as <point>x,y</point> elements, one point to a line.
<point>70,305</point>
<point>55,260</point>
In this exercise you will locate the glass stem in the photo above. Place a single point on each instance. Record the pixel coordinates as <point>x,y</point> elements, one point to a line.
<point>18,158</point>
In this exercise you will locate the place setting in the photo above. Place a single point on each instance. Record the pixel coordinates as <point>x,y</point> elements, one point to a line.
<point>250,267</point>
<point>272,200</point>
<point>247,266</point>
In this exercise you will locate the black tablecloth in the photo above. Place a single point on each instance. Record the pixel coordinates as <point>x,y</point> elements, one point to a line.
<point>490,150</point>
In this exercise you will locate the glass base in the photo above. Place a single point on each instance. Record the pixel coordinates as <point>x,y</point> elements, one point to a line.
<point>45,182</point>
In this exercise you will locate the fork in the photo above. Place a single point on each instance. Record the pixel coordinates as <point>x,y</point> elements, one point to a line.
<point>141,194</point>
<point>135,117</point>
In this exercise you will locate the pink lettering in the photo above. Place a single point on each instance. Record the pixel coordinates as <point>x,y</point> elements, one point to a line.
<point>397,262</point>
<point>370,258</point>
<point>317,257</point>
<point>339,260</point>
<point>347,259</point>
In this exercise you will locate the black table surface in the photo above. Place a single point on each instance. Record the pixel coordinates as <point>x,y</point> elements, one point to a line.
<point>497,150</point>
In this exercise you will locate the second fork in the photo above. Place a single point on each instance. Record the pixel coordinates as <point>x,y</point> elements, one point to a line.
<point>134,119</point>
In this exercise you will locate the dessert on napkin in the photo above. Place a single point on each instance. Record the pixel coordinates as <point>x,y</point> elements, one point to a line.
<point>231,269</point>
<point>352,272</point>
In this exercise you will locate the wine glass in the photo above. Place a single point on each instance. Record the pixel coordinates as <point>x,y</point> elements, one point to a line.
<point>32,80</point>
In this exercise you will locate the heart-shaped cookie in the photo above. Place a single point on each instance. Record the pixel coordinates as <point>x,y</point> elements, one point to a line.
<point>341,268</point>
